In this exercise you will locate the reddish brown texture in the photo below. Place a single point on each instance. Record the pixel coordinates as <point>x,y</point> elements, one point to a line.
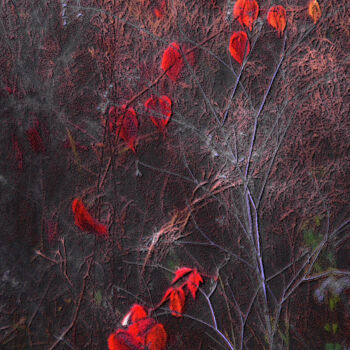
<point>160,10</point>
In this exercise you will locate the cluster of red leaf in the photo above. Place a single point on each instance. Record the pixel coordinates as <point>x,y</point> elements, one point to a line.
<point>247,11</point>
<point>177,295</point>
<point>85,221</point>
<point>124,122</point>
<point>143,332</point>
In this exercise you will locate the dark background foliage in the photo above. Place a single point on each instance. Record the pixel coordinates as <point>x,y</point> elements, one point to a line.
<point>187,199</point>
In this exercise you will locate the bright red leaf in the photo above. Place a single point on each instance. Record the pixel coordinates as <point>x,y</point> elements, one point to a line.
<point>136,313</point>
<point>156,338</point>
<point>239,46</point>
<point>246,11</point>
<point>193,282</point>
<point>127,126</point>
<point>180,273</point>
<point>85,221</point>
<point>162,108</point>
<point>276,17</point>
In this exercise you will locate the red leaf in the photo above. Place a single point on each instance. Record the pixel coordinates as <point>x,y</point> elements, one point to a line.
<point>136,313</point>
<point>156,338</point>
<point>127,126</point>
<point>180,273</point>
<point>159,12</point>
<point>276,17</point>
<point>177,301</point>
<point>315,10</point>
<point>85,221</point>
<point>246,11</point>
<point>162,107</point>
<point>193,282</point>
<point>123,340</point>
<point>36,142</point>
<point>239,46</point>
<point>172,61</point>
<point>140,329</point>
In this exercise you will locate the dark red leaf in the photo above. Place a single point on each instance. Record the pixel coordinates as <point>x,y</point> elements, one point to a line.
<point>177,301</point>
<point>85,221</point>
<point>123,340</point>
<point>127,126</point>
<point>162,108</point>
<point>139,329</point>
<point>36,142</point>
<point>193,282</point>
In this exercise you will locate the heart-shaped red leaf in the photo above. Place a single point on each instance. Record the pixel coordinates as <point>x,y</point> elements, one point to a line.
<point>160,107</point>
